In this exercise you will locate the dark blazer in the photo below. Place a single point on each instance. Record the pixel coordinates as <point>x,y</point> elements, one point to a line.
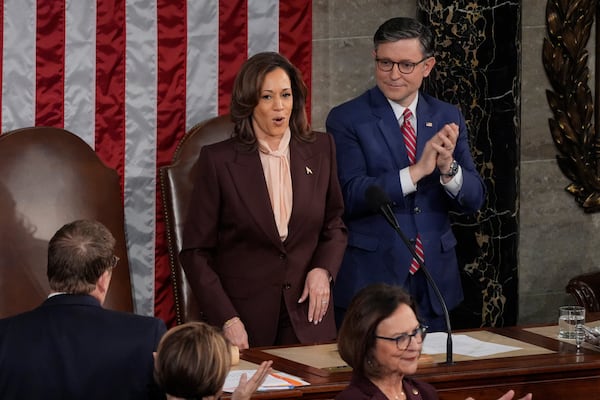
<point>232,254</point>
<point>371,151</point>
<point>361,388</point>
<point>72,348</point>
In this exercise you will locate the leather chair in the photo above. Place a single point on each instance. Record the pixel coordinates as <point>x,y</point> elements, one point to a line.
<point>176,185</point>
<point>585,288</point>
<point>50,177</point>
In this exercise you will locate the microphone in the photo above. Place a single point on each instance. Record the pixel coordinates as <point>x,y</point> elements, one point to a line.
<point>378,200</point>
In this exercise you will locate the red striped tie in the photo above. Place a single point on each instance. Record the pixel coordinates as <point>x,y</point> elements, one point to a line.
<point>410,140</point>
<point>410,137</point>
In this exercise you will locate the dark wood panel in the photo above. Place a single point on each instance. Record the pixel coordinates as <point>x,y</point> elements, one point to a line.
<point>564,374</point>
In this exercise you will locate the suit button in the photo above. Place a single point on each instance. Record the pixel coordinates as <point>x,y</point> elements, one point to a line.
<point>417,210</point>
<point>282,256</point>
<point>287,286</point>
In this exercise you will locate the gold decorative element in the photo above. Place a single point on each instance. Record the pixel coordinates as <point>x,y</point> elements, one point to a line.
<point>565,59</point>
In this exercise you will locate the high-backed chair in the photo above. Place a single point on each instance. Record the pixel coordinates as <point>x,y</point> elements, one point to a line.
<point>585,289</point>
<point>176,187</point>
<point>50,177</point>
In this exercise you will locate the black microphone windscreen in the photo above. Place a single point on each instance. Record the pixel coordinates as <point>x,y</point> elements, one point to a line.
<point>376,197</point>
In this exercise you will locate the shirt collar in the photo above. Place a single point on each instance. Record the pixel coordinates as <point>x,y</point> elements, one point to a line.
<point>399,110</point>
<point>283,144</point>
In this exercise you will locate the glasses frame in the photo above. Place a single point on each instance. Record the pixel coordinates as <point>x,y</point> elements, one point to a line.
<point>421,330</point>
<point>410,70</point>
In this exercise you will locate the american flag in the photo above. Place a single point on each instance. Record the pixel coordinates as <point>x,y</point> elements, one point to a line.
<point>130,77</point>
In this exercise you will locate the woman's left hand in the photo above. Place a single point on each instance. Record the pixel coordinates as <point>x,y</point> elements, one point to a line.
<point>317,290</point>
<point>246,387</point>
<point>509,395</point>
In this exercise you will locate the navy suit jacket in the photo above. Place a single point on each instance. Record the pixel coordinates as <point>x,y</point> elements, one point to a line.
<point>371,151</point>
<point>232,254</point>
<point>72,348</point>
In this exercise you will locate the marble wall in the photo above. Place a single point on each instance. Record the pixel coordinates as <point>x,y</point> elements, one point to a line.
<point>555,238</point>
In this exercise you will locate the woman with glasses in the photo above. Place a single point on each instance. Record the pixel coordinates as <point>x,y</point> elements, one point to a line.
<point>381,339</point>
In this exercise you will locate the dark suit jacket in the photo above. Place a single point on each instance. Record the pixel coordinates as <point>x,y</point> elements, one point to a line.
<point>232,254</point>
<point>72,348</point>
<point>361,388</point>
<point>371,151</point>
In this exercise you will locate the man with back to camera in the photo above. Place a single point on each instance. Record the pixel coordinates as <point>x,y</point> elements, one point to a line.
<point>70,347</point>
<point>415,149</point>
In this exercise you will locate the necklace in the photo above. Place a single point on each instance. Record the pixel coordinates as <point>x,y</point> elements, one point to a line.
<point>392,391</point>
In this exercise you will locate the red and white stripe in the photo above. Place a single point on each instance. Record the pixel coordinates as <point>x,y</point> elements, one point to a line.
<point>130,77</point>
<point>414,264</point>
<point>410,136</point>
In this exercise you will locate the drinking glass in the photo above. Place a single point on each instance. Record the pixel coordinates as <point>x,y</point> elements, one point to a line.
<point>570,321</point>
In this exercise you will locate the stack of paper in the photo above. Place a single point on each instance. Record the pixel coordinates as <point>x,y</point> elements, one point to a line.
<point>274,381</point>
<point>435,343</point>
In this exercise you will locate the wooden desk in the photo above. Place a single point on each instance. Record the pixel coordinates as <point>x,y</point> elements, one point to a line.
<point>562,374</point>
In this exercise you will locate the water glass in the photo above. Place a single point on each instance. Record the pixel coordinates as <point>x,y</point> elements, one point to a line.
<point>570,320</point>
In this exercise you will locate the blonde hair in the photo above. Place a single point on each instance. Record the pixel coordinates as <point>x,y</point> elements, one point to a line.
<point>192,361</point>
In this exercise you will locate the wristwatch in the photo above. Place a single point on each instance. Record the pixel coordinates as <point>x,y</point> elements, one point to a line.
<point>453,169</point>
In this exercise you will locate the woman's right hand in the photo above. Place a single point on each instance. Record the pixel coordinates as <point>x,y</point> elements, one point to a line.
<point>235,331</point>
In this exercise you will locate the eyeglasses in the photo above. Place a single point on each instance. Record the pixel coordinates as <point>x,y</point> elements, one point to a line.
<point>403,340</point>
<point>405,67</point>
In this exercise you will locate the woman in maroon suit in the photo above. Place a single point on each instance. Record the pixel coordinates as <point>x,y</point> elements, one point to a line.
<point>264,238</point>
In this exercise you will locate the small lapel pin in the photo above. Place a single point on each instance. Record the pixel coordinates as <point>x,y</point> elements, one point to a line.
<point>308,171</point>
<point>428,124</point>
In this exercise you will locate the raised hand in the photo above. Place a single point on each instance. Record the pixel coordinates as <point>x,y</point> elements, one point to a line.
<point>509,396</point>
<point>444,145</point>
<point>247,387</point>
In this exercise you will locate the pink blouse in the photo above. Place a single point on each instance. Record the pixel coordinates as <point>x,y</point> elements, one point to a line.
<point>276,167</point>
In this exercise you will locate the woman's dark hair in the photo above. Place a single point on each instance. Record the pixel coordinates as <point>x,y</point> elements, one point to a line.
<point>356,338</point>
<point>246,95</point>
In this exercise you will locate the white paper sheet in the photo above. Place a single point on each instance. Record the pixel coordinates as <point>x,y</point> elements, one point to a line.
<point>274,381</point>
<point>435,343</point>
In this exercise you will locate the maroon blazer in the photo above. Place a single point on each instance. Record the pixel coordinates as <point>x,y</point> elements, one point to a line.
<point>361,388</point>
<point>232,254</point>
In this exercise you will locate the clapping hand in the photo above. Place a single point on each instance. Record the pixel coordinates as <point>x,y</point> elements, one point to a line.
<point>438,152</point>
<point>444,145</point>
<point>247,387</point>
<point>509,396</point>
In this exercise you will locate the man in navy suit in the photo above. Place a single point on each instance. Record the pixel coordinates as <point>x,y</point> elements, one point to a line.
<point>372,135</point>
<point>70,347</point>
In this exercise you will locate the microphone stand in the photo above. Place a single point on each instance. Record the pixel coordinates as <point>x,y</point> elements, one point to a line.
<point>391,218</point>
